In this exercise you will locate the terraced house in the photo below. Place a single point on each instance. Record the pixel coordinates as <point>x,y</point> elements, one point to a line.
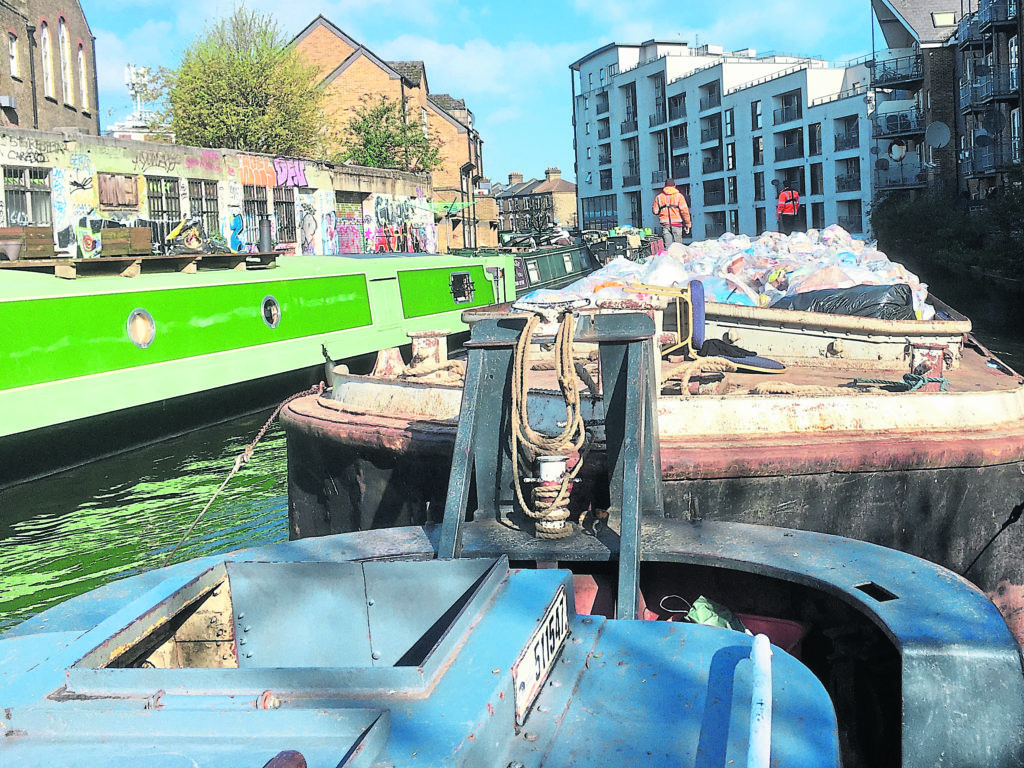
<point>350,73</point>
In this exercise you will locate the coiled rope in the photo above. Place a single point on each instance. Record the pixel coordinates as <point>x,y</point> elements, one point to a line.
<point>549,505</point>
<point>911,382</point>
<point>240,461</point>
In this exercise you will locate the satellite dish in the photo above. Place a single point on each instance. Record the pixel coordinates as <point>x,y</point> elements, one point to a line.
<point>982,139</point>
<point>882,164</point>
<point>982,70</point>
<point>898,150</point>
<point>937,134</point>
<point>993,121</point>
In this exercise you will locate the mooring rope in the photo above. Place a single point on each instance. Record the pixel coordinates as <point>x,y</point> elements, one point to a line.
<point>550,504</point>
<point>240,461</point>
<point>685,370</point>
<point>911,382</point>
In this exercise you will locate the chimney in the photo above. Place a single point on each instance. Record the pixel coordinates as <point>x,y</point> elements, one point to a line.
<point>552,174</point>
<point>515,178</point>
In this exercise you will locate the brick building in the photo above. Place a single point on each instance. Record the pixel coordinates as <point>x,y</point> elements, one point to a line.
<point>533,204</point>
<point>350,72</point>
<point>50,78</point>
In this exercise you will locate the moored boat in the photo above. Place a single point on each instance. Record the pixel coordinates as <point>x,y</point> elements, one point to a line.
<point>838,442</point>
<point>426,646</point>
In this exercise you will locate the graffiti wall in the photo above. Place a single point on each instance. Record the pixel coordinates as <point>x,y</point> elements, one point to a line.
<point>92,184</point>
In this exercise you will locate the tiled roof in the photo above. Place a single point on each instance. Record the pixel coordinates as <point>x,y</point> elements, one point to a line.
<point>917,14</point>
<point>411,70</point>
<point>556,185</point>
<point>444,101</point>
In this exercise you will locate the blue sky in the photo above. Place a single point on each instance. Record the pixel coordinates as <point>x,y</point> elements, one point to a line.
<point>508,60</point>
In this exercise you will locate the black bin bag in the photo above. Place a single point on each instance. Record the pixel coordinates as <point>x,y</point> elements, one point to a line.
<point>886,302</point>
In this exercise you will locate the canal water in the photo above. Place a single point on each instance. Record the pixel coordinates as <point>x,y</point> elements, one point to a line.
<point>72,532</point>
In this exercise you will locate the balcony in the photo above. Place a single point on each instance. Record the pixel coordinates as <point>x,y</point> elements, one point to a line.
<point>631,173</point>
<point>679,136</point>
<point>905,175</point>
<point>996,13</point>
<point>628,125</point>
<point>676,111</point>
<point>658,117</point>
<point>996,157</point>
<point>602,106</point>
<point>849,182</point>
<point>714,230</point>
<point>968,32</point>
<point>659,175</point>
<point>604,159</point>
<point>712,165</point>
<point>848,140</point>
<point>681,170</point>
<point>714,197</point>
<point>710,101</point>
<point>901,71</point>
<point>786,114</point>
<point>606,183</point>
<point>604,132</point>
<point>710,134</point>
<point>890,125</point>
<point>789,152</point>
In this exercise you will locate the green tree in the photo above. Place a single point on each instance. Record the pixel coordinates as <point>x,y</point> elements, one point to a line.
<point>241,86</point>
<point>380,135</point>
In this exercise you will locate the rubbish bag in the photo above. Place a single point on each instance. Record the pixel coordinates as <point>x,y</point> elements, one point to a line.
<point>886,302</point>
<point>705,611</point>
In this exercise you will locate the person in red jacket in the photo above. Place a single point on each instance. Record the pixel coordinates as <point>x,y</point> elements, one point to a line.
<point>674,214</point>
<point>787,209</point>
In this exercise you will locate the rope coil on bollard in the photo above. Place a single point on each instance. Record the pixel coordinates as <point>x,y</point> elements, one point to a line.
<point>549,506</point>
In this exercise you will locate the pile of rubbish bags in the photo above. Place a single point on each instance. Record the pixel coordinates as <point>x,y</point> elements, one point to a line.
<point>824,270</point>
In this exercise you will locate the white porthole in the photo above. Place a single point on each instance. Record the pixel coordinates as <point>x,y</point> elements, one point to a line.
<point>141,328</point>
<point>271,311</point>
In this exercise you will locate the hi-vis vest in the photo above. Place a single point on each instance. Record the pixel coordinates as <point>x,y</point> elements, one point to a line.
<point>789,203</point>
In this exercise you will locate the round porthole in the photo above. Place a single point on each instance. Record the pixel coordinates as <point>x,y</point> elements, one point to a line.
<point>271,311</point>
<point>141,328</point>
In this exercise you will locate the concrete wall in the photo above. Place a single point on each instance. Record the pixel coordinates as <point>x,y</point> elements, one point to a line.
<point>336,209</point>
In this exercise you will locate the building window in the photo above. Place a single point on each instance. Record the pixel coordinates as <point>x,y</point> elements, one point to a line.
<point>118,190</point>
<point>755,115</point>
<point>202,201</point>
<point>164,203</point>
<point>734,221</point>
<point>45,54</point>
<point>759,185</point>
<point>12,50</point>
<point>600,212</point>
<point>65,61</point>
<point>817,215</point>
<point>83,81</point>
<point>27,194</point>
<point>284,212</point>
<point>254,207</point>
<point>758,144</point>
<point>814,139</point>
<point>730,157</point>
<point>817,179</point>
<point>731,181</point>
<point>730,123</point>
<point>760,220</point>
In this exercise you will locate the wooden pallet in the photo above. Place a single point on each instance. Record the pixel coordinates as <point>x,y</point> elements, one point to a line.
<point>133,266</point>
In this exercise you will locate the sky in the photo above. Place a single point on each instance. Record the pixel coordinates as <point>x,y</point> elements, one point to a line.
<point>508,60</point>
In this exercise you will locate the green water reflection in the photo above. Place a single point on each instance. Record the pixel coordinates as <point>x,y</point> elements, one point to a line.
<point>81,529</point>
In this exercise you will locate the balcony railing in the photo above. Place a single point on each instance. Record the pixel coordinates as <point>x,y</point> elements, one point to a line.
<point>710,134</point>
<point>681,170</point>
<point>712,164</point>
<point>714,197</point>
<point>848,140</point>
<point>659,175</point>
<point>606,183</point>
<point>602,106</point>
<point>676,111</point>
<point>604,132</point>
<point>631,173</point>
<point>902,123</point>
<point>712,231</point>
<point>710,101</point>
<point>997,12</point>
<point>628,126</point>
<point>997,156</point>
<point>968,31</point>
<point>679,137</point>
<point>788,152</point>
<point>658,117</point>
<point>903,69</point>
<point>901,176</point>
<point>849,182</point>
<point>785,114</point>
<point>604,159</point>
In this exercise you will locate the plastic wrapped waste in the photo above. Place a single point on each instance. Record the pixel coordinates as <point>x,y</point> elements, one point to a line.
<point>887,302</point>
<point>763,271</point>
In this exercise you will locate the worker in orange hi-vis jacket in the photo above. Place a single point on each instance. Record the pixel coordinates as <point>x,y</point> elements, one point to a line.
<point>673,213</point>
<point>787,209</point>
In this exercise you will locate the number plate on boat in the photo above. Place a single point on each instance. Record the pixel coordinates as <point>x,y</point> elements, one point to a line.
<point>535,662</point>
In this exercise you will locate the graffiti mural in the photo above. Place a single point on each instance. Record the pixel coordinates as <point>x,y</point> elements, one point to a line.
<point>290,172</point>
<point>307,229</point>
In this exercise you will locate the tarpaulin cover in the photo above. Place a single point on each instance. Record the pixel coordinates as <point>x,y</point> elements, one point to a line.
<point>887,302</point>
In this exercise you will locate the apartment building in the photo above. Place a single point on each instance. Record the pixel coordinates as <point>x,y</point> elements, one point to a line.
<point>729,127</point>
<point>534,204</point>
<point>349,73</point>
